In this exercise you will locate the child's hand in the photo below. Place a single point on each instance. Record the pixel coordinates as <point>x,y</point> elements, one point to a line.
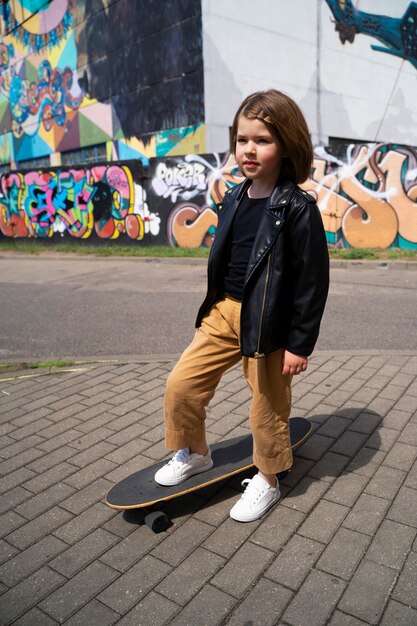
<point>293,363</point>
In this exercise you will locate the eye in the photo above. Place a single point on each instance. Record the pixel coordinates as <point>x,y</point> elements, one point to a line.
<point>240,140</point>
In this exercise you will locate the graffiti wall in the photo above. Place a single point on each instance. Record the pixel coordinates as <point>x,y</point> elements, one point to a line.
<point>104,202</point>
<point>116,72</point>
<point>367,195</point>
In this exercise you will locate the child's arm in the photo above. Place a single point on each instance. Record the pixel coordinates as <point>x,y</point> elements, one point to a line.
<point>293,363</point>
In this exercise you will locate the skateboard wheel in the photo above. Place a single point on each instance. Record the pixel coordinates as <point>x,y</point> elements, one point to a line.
<point>157,521</point>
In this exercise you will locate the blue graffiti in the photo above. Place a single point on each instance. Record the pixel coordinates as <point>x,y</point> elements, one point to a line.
<point>399,35</point>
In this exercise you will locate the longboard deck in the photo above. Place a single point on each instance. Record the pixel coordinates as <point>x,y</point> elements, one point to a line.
<point>230,457</point>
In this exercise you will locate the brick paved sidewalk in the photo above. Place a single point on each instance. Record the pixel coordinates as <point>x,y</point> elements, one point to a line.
<point>340,548</point>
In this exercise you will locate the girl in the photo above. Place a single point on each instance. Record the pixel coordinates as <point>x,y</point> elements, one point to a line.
<point>268,276</point>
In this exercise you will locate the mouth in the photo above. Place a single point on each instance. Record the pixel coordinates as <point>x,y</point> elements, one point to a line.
<point>250,164</point>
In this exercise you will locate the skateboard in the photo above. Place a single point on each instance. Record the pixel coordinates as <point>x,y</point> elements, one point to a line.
<point>230,457</point>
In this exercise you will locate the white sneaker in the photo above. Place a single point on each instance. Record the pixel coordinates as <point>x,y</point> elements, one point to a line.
<point>257,498</point>
<point>183,465</point>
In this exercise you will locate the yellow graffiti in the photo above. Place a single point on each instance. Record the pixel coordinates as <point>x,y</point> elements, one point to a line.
<point>367,217</point>
<point>190,226</point>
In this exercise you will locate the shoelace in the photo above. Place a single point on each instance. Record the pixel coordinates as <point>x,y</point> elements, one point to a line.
<point>251,493</point>
<point>182,456</point>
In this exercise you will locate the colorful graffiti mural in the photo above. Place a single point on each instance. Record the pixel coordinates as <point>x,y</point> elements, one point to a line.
<point>107,200</point>
<point>68,80</point>
<point>399,36</point>
<point>367,199</point>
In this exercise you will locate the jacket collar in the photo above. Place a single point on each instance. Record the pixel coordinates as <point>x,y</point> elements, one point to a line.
<point>279,198</point>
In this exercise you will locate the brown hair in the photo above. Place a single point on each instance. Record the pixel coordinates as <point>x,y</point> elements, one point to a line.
<point>285,121</point>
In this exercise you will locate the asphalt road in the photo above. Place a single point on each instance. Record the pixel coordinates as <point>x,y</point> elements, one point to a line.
<point>63,306</point>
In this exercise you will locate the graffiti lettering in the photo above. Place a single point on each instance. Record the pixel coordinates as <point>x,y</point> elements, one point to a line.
<point>77,201</point>
<point>185,179</point>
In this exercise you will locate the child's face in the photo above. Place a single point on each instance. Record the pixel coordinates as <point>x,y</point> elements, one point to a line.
<point>258,153</point>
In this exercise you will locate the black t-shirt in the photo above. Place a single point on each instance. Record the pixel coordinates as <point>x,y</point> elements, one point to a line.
<point>244,228</point>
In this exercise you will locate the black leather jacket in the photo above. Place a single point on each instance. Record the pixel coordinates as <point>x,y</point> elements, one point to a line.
<point>287,279</point>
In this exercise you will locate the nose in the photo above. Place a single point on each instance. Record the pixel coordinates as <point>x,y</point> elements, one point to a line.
<point>250,147</point>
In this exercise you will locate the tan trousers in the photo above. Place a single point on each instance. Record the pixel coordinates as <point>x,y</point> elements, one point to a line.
<point>193,381</point>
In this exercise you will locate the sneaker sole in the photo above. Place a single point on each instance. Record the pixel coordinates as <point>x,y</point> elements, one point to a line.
<point>177,481</point>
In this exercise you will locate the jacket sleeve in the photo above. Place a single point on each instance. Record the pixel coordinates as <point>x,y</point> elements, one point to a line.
<point>309,259</point>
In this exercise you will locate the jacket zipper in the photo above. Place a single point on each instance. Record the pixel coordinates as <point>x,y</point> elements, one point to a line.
<point>257,354</point>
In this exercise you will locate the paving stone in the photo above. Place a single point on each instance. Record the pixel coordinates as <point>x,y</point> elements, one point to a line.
<point>329,467</point>
<point>127,434</point>
<point>295,561</point>
<point>75,593</point>
<point>400,614</point>
<point>6,551</point>
<point>81,554</point>
<point>30,560</point>
<point>93,613</point>
<point>84,498</point>
<point>323,521</point>
<point>82,478</point>
<point>409,435</point>
<point>368,591</point>
<point>31,416</point>
<point>263,605</point>
<point>242,569</point>
<point>343,553</point>
<point>81,525</point>
<point>21,446</point>
<point>210,604</point>
<point>44,501</point>
<point>349,443</point>
<point>366,462</point>
<point>277,528</point>
<point>28,593</point>
<point>411,480</point>
<point>366,514</point>
<point>366,422</point>
<point>391,544</point>
<point>102,449</point>
<point>315,447</point>
<point>9,522</point>
<point>35,617</point>
<point>396,419</point>
<point>229,536</point>
<point>84,442</point>
<point>190,576</point>
<point>122,454</point>
<point>132,586</point>
<point>132,548</point>
<point>117,473</point>
<point>11,499</point>
<point>320,593</point>
<point>342,619</point>
<point>300,469</point>
<point>40,482</point>
<point>334,426</point>
<point>407,403</point>
<point>153,610</point>
<point>217,509</point>
<point>385,482</point>
<point>383,439</point>
<point>34,427</point>
<point>50,460</point>
<point>404,508</point>
<point>38,528</point>
<point>381,405</point>
<point>305,495</point>
<point>182,542</point>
